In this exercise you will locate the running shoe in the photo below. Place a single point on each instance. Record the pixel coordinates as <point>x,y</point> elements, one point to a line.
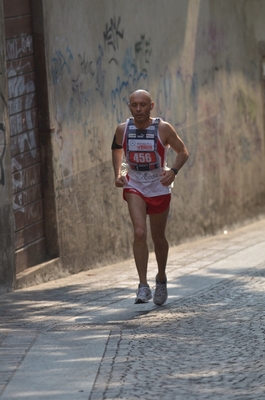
<point>143,294</point>
<point>160,295</point>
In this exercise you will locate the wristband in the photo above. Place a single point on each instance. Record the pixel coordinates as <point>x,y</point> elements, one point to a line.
<point>175,170</point>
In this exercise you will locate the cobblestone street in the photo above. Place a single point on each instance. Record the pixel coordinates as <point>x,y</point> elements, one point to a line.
<point>81,337</point>
<point>209,346</point>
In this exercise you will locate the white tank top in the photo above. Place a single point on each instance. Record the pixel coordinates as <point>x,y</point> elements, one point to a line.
<point>146,159</point>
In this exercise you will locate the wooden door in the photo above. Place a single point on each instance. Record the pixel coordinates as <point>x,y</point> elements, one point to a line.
<point>25,147</point>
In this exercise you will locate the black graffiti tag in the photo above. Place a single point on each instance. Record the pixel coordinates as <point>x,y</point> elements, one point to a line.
<point>143,49</point>
<point>113,33</point>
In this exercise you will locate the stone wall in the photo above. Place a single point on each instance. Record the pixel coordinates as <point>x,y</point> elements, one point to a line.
<point>201,62</point>
<point>204,65</point>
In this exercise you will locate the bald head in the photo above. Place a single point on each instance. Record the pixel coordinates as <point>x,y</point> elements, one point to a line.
<point>140,93</point>
<point>140,106</point>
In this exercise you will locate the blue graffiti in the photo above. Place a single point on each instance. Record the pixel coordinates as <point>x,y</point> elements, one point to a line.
<point>59,63</point>
<point>129,63</point>
<point>177,92</point>
<point>100,72</point>
<point>121,93</point>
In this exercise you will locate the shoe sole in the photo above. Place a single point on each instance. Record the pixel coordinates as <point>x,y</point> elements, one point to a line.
<point>157,303</point>
<point>160,304</point>
<point>140,301</point>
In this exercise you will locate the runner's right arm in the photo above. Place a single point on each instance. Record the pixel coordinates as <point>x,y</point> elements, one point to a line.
<point>117,155</point>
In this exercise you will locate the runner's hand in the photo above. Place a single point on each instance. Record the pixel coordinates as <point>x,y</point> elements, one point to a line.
<point>120,181</point>
<point>167,177</point>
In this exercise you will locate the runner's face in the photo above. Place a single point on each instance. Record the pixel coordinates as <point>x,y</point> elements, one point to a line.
<point>140,106</point>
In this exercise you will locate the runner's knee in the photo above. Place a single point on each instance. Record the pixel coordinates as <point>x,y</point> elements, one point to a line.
<point>140,234</point>
<point>159,240</point>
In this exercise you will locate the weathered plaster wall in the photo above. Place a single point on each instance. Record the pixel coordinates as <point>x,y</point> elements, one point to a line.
<point>201,61</point>
<point>7,268</point>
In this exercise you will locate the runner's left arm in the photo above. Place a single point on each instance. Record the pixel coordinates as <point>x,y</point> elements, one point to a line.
<point>171,138</point>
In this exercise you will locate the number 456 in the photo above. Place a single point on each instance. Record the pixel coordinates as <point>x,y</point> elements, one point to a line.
<point>142,157</point>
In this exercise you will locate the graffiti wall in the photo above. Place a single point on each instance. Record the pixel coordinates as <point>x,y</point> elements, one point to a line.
<point>201,63</point>
<point>7,270</point>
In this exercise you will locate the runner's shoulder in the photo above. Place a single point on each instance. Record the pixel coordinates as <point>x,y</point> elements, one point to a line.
<point>166,129</point>
<point>119,132</point>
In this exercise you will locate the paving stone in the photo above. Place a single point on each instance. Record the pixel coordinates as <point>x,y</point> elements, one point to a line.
<point>204,347</point>
<point>207,342</point>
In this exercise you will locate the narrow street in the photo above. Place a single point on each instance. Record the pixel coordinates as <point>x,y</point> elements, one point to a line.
<point>82,337</point>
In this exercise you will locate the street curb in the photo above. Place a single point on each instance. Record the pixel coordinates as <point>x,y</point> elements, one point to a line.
<point>41,273</point>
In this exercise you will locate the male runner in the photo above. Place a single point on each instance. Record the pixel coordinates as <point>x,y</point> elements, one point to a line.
<point>147,185</point>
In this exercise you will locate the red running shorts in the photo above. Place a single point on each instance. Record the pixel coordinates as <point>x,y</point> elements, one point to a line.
<point>154,205</point>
